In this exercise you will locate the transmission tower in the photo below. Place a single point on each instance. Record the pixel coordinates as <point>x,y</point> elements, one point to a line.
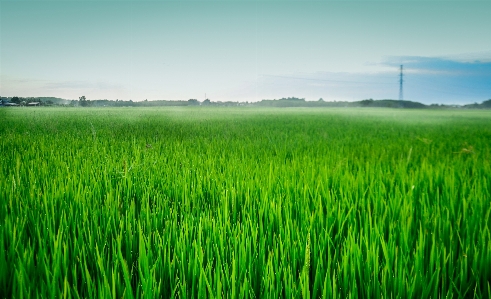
<point>400,85</point>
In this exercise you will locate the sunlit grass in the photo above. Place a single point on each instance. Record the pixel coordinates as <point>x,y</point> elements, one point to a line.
<point>229,202</point>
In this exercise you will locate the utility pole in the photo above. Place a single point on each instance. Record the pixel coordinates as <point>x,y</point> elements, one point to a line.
<point>400,85</point>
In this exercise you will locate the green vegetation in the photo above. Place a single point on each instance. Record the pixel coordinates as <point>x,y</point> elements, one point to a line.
<point>243,203</point>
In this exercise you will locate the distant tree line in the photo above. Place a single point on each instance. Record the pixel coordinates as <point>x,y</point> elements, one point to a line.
<point>43,101</point>
<point>83,102</point>
<point>483,105</point>
<point>300,102</point>
<point>283,102</point>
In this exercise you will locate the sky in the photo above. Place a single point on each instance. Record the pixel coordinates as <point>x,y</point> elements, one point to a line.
<point>246,50</point>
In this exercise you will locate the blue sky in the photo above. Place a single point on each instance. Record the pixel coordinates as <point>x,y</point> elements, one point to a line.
<point>246,50</point>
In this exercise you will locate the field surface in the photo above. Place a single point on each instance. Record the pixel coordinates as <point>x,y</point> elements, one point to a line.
<point>244,203</point>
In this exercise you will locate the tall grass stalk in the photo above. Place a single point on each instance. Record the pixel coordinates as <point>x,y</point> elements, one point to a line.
<point>244,203</point>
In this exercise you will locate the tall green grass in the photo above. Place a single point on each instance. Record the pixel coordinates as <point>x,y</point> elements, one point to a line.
<point>244,203</point>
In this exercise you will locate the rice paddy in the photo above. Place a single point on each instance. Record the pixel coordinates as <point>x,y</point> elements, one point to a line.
<point>200,202</point>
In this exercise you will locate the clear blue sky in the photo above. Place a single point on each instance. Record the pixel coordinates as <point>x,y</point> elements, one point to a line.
<point>246,50</point>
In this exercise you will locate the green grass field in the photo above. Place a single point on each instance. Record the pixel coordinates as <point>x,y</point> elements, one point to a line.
<point>245,203</point>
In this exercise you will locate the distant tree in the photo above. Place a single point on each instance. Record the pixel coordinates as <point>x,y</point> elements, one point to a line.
<point>83,101</point>
<point>486,104</point>
<point>321,100</point>
<point>368,102</point>
<point>193,102</point>
<point>206,102</point>
<point>16,100</point>
<point>290,100</point>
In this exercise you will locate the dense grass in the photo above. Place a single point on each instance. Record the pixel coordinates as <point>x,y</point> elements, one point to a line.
<point>234,203</point>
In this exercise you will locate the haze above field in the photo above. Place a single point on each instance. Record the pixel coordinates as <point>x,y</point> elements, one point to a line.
<point>246,50</point>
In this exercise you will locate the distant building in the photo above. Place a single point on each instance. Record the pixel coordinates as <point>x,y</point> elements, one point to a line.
<point>33,104</point>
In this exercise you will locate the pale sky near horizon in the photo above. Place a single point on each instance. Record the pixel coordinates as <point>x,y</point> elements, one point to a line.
<point>246,50</point>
